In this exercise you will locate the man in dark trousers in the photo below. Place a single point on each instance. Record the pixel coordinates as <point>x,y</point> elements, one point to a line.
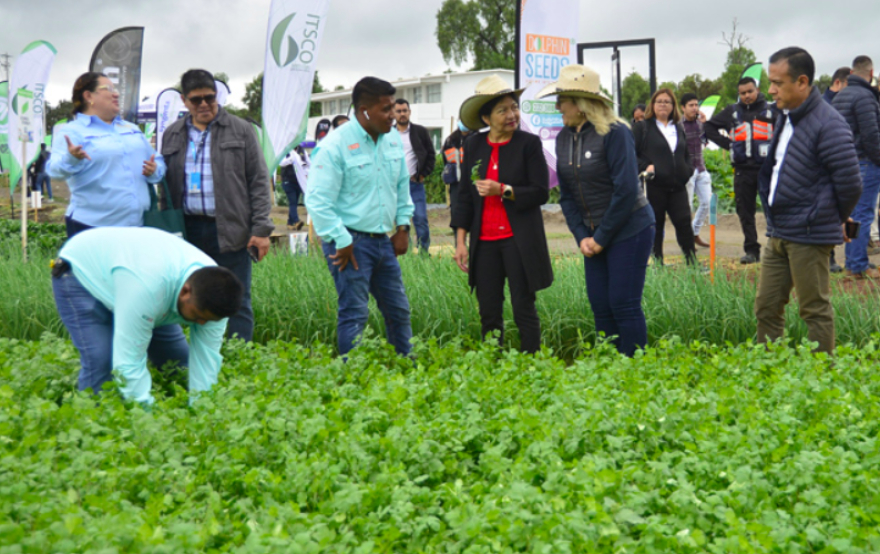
<point>858,104</point>
<point>809,187</point>
<point>420,160</point>
<point>749,127</point>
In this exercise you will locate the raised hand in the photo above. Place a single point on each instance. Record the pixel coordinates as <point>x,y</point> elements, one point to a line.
<point>150,166</point>
<point>76,150</point>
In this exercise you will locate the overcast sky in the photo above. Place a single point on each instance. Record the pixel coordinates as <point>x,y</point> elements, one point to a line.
<point>395,39</point>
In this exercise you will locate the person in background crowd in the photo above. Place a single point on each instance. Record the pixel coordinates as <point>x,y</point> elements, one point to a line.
<point>114,287</point>
<point>701,181</point>
<point>339,120</point>
<point>322,128</point>
<point>294,170</point>
<point>502,212</point>
<point>662,149</point>
<point>420,160</point>
<point>453,152</point>
<point>858,104</point>
<point>37,172</point>
<point>604,205</point>
<point>748,125</point>
<point>809,187</point>
<point>838,83</point>
<point>359,187</point>
<point>217,174</point>
<point>638,113</point>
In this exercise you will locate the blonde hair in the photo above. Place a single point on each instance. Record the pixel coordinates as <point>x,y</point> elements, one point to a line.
<point>599,113</point>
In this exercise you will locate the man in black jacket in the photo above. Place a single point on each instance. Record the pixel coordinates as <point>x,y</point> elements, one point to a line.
<point>749,128</point>
<point>420,160</point>
<point>809,186</point>
<point>858,104</point>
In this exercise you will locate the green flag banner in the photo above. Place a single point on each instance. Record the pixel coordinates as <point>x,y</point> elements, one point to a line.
<point>754,71</point>
<point>709,105</point>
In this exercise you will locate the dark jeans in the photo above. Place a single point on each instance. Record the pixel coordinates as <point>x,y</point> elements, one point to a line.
<point>615,282</point>
<point>43,181</point>
<point>202,233</point>
<point>675,203</point>
<point>420,216</point>
<point>857,250</point>
<point>378,274</point>
<point>453,198</point>
<point>293,192</point>
<point>745,190</point>
<point>497,260</point>
<point>90,325</point>
<point>73,226</point>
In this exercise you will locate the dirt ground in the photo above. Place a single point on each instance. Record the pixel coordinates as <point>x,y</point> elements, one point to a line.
<point>728,234</point>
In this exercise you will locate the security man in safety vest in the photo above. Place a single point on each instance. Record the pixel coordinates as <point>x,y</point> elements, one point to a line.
<point>746,130</point>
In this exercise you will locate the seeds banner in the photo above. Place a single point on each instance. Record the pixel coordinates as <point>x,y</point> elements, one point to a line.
<point>29,78</point>
<point>5,156</point>
<point>296,28</point>
<point>168,108</point>
<point>546,35</point>
<point>118,56</point>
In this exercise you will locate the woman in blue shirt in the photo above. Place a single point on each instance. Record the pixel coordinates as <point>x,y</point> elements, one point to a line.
<point>108,165</point>
<point>107,162</point>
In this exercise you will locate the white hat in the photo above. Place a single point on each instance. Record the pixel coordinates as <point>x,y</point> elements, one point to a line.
<point>576,80</point>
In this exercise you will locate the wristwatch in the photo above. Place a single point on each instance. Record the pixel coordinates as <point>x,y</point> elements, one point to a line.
<point>404,228</point>
<point>507,192</point>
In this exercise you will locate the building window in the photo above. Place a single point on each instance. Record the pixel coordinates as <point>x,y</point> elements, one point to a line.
<point>434,96</point>
<point>417,95</point>
<point>332,107</point>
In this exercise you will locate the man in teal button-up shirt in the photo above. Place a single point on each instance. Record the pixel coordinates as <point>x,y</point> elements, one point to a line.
<point>358,192</point>
<point>113,285</point>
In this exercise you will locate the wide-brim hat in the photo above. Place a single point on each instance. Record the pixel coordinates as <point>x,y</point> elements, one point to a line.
<point>576,80</point>
<point>489,88</point>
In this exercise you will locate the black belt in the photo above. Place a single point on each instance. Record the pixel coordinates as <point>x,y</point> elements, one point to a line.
<point>370,235</point>
<point>59,267</point>
<point>200,218</point>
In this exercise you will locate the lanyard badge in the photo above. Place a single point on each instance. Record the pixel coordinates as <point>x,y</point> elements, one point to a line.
<point>195,178</point>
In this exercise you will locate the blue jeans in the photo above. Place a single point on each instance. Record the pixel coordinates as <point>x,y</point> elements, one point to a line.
<point>420,217</point>
<point>43,179</point>
<point>293,192</point>
<point>202,233</point>
<point>90,325</point>
<point>615,282</point>
<point>857,250</point>
<point>378,274</point>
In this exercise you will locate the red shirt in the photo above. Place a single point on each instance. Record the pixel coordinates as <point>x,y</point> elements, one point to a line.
<point>495,225</point>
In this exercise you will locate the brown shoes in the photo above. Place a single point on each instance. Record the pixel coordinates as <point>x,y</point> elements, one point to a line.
<point>700,242</point>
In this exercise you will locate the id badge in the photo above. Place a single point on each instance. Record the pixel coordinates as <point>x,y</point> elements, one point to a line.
<point>195,182</point>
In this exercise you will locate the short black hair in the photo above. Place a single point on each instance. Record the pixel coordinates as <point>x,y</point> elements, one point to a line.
<point>688,97</point>
<point>747,81</point>
<point>486,109</point>
<point>195,79</point>
<point>368,90</point>
<point>402,101</point>
<point>842,74</point>
<point>800,62</point>
<point>338,120</point>
<point>217,290</point>
<point>862,64</point>
<point>639,107</point>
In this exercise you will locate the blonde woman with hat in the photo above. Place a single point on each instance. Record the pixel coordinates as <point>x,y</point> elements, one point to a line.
<point>604,205</point>
<point>502,211</point>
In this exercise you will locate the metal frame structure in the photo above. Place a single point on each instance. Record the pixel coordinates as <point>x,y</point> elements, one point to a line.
<point>616,45</point>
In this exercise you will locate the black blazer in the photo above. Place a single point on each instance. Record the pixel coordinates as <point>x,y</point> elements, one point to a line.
<point>423,147</point>
<point>671,170</point>
<point>521,165</point>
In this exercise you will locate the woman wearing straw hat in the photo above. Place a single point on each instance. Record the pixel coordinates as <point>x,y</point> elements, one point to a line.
<point>501,210</point>
<point>663,151</point>
<point>604,204</point>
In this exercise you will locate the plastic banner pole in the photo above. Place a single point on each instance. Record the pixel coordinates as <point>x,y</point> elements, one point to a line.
<point>713,221</point>
<point>24,188</point>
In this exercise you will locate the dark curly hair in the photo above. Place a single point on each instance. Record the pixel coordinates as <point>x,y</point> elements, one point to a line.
<point>85,82</point>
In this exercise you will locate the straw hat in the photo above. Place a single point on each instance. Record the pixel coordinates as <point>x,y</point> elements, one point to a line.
<point>578,81</point>
<point>487,89</point>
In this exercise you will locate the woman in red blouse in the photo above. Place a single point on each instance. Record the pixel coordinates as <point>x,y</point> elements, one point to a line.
<point>502,212</point>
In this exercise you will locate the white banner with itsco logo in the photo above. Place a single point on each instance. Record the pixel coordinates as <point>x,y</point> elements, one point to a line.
<point>296,28</point>
<point>547,32</point>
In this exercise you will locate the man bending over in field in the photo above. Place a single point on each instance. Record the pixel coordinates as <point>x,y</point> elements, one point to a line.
<point>113,285</point>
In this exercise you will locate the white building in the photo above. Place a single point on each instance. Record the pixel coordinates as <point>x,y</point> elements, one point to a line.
<point>434,100</point>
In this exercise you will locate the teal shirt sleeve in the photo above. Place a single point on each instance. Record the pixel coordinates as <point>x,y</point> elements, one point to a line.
<point>133,317</point>
<point>325,182</point>
<point>405,206</point>
<point>204,356</point>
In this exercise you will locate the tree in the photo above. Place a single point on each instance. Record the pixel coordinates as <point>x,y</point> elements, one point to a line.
<point>253,98</point>
<point>670,85</point>
<point>634,90</point>
<point>54,114</point>
<point>700,86</point>
<point>823,83</point>
<point>478,30</point>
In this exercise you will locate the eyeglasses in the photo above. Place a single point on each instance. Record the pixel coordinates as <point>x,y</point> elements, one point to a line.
<point>110,88</point>
<point>663,102</point>
<point>197,100</point>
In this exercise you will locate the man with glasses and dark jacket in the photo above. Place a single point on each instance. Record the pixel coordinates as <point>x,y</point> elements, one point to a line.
<point>217,174</point>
